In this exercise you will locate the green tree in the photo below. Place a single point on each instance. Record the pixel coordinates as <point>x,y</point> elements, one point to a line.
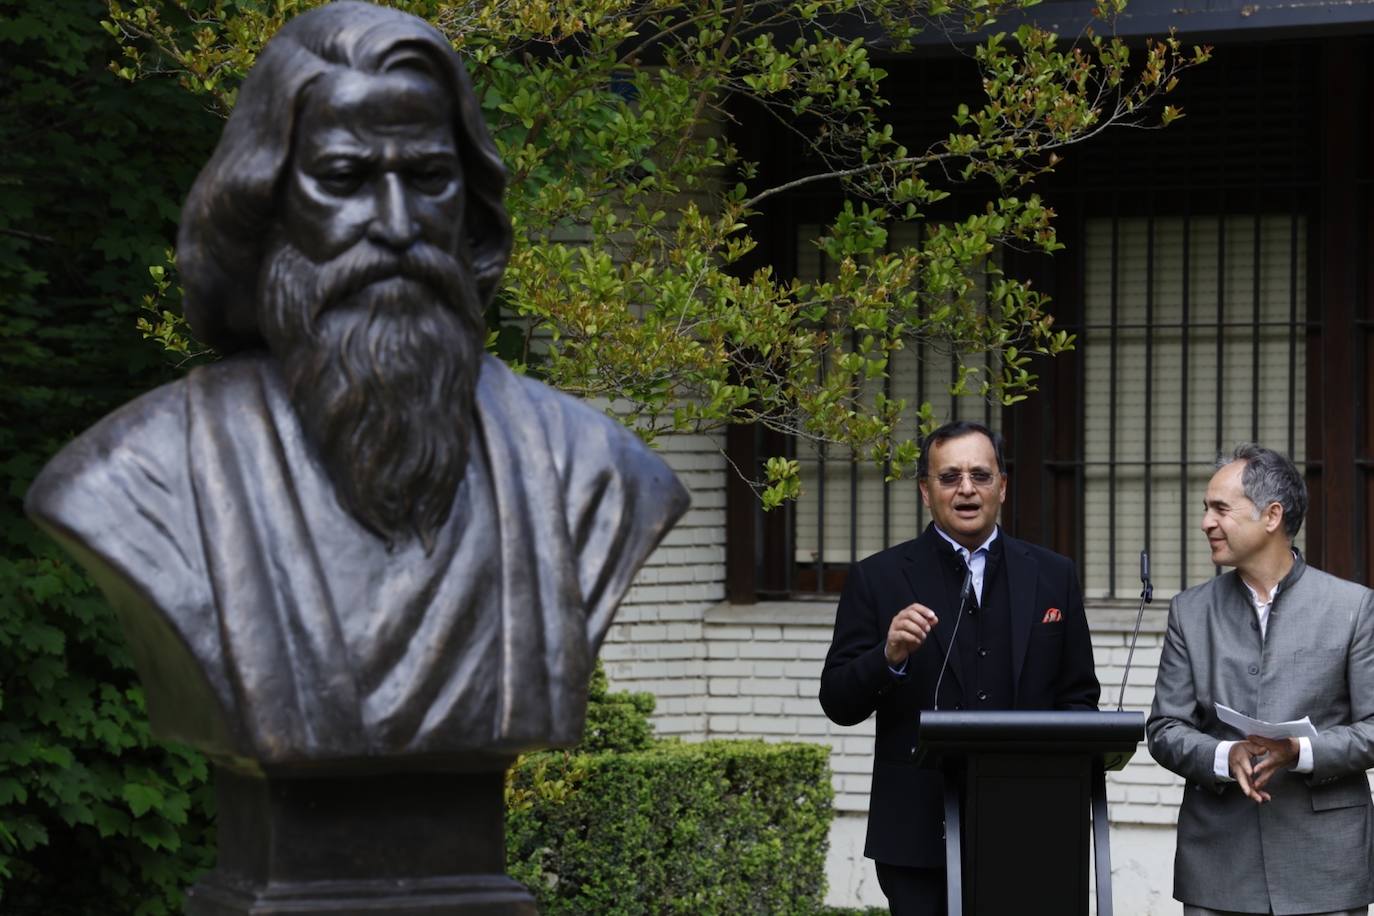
<point>95,817</point>
<point>632,208</point>
<point>633,212</point>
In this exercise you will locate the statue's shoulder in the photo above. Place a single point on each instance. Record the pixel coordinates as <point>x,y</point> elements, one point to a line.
<point>139,436</point>
<point>240,376</point>
<point>584,443</point>
<point>565,419</point>
<point>137,454</point>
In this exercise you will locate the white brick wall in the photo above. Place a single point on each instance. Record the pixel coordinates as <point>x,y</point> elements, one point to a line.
<point>1143,792</point>
<point>656,643</point>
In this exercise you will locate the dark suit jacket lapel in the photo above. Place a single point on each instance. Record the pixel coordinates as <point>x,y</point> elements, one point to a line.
<point>923,572</point>
<point>1021,576</point>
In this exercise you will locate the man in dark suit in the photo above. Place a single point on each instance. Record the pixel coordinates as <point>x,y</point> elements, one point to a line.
<point>1023,645</point>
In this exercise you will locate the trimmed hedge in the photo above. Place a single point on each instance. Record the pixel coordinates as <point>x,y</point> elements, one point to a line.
<point>730,827</point>
<point>616,720</point>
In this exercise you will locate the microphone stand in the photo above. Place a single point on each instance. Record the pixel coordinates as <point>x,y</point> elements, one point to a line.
<point>1147,594</point>
<point>964,592</point>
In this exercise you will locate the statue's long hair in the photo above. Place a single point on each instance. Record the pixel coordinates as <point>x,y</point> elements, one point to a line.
<point>229,214</point>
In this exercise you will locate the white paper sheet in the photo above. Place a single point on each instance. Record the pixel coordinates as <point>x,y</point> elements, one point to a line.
<point>1298,728</point>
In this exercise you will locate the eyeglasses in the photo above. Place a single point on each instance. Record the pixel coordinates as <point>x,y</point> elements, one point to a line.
<point>951,479</point>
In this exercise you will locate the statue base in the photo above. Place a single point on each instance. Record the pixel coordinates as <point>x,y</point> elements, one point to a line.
<point>409,844</point>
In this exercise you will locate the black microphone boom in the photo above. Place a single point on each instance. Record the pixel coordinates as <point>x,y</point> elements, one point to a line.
<point>964,591</point>
<point>1147,594</point>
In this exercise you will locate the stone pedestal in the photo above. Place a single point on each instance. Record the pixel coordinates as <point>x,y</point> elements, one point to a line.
<point>408,844</point>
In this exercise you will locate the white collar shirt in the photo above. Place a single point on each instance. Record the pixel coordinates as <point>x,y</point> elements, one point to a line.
<point>1262,605</point>
<point>976,560</point>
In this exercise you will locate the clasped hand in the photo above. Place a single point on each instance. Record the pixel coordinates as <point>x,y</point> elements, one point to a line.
<point>909,628</point>
<point>1256,759</point>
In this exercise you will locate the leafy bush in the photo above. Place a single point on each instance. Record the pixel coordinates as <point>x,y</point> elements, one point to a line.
<point>95,817</point>
<point>722,827</point>
<point>624,824</point>
<point>616,721</point>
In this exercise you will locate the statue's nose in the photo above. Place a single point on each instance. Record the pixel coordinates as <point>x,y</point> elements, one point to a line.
<point>394,224</point>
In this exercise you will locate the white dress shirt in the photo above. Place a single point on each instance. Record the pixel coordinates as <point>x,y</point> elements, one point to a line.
<point>976,560</point>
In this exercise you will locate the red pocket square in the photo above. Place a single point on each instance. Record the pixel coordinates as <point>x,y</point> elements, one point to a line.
<point>1052,616</point>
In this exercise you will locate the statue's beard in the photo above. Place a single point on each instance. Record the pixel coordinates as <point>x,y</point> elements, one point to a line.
<point>380,352</point>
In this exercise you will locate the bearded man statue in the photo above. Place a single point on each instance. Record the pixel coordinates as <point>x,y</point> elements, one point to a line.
<point>357,538</point>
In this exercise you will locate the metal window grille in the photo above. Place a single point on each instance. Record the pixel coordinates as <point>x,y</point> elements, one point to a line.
<point>1190,344</point>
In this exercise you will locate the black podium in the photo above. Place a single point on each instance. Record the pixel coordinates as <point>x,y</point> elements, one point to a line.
<point>1019,786</point>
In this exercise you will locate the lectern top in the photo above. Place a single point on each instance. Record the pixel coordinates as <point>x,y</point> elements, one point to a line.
<point>1069,732</point>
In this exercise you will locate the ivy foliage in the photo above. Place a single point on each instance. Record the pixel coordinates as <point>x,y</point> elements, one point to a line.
<point>95,817</point>
<point>624,825</point>
<point>635,210</point>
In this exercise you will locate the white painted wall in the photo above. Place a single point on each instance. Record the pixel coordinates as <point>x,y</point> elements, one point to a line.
<point>1142,870</point>
<point>656,643</point>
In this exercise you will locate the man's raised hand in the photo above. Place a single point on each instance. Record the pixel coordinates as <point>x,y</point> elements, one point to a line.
<point>909,628</point>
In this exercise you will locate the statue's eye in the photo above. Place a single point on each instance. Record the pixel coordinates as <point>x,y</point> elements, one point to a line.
<point>341,178</point>
<point>431,178</point>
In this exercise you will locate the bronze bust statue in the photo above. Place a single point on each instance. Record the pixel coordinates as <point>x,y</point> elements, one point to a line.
<point>357,540</point>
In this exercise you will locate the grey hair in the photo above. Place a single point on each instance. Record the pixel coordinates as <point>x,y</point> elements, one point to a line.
<point>1270,477</point>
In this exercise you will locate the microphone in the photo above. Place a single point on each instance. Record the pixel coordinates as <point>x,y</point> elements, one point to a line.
<point>965,591</point>
<point>1147,594</point>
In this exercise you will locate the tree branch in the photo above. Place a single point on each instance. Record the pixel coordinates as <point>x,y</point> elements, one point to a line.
<point>27,236</point>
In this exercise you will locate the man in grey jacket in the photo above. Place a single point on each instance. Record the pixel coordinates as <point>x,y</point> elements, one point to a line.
<point>1268,825</point>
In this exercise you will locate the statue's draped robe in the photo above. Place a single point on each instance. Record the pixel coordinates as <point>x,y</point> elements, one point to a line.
<point>267,624</point>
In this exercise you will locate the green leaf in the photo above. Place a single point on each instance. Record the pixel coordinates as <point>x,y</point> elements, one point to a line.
<point>141,798</point>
